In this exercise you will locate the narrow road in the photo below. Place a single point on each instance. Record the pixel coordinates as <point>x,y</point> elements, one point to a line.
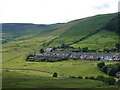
<point>36,71</point>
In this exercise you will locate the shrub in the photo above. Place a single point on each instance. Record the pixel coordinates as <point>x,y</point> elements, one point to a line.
<point>91,77</point>
<point>72,77</point>
<point>110,69</point>
<point>85,49</point>
<point>110,80</point>
<point>65,58</point>
<point>80,77</point>
<point>41,51</point>
<point>104,69</point>
<point>55,74</point>
<point>118,64</point>
<point>110,72</point>
<point>101,64</point>
<point>86,77</point>
<point>100,78</point>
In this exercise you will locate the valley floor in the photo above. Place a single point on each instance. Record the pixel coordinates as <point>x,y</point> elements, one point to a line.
<point>41,75</point>
<point>19,79</point>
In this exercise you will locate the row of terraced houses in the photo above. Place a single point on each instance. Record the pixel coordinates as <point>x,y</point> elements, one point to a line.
<point>81,56</point>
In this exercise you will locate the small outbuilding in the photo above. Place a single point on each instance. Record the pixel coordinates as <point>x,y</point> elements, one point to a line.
<point>49,50</point>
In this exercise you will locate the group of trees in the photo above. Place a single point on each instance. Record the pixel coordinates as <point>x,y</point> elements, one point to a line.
<point>108,80</point>
<point>110,69</point>
<point>44,59</point>
<point>86,49</point>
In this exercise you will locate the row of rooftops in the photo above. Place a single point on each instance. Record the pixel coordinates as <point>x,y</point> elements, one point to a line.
<point>88,56</point>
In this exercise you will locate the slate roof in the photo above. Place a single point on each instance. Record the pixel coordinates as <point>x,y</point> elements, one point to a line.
<point>85,56</point>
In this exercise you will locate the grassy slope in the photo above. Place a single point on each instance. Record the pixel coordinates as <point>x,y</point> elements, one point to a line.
<point>17,31</point>
<point>99,41</point>
<point>85,27</point>
<point>14,57</point>
<point>30,79</point>
<point>14,54</point>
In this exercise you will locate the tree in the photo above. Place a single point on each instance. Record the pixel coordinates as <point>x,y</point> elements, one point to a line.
<point>112,70</point>
<point>118,64</point>
<point>79,49</point>
<point>104,68</point>
<point>101,64</point>
<point>100,78</point>
<point>80,77</point>
<point>117,46</point>
<point>41,51</point>
<point>85,49</point>
<point>91,77</point>
<point>98,59</point>
<point>86,77</point>
<point>55,74</point>
<point>64,46</point>
<point>110,80</point>
<point>106,50</point>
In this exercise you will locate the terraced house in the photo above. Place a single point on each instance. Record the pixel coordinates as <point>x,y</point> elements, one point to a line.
<point>80,56</point>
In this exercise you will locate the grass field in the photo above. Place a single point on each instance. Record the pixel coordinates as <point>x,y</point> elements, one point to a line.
<point>103,39</point>
<point>31,79</point>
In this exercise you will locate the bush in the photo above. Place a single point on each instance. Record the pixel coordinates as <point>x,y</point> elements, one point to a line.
<point>80,77</point>
<point>100,78</point>
<point>91,77</point>
<point>110,81</point>
<point>65,58</point>
<point>72,77</point>
<point>101,64</point>
<point>55,74</point>
<point>85,49</point>
<point>110,69</point>
<point>86,77</point>
<point>104,69</point>
<point>41,51</point>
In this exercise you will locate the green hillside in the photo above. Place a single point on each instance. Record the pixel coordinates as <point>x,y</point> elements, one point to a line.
<point>22,31</point>
<point>86,29</point>
<point>25,39</point>
<point>71,33</point>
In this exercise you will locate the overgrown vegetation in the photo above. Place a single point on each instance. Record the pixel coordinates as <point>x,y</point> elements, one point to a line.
<point>33,57</point>
<point>108,80</point>
<point>110,69</point>
<point>66,47</point>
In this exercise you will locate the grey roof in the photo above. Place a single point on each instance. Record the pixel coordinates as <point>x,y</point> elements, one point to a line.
<point>56,54</point>
<point>48,49</point>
